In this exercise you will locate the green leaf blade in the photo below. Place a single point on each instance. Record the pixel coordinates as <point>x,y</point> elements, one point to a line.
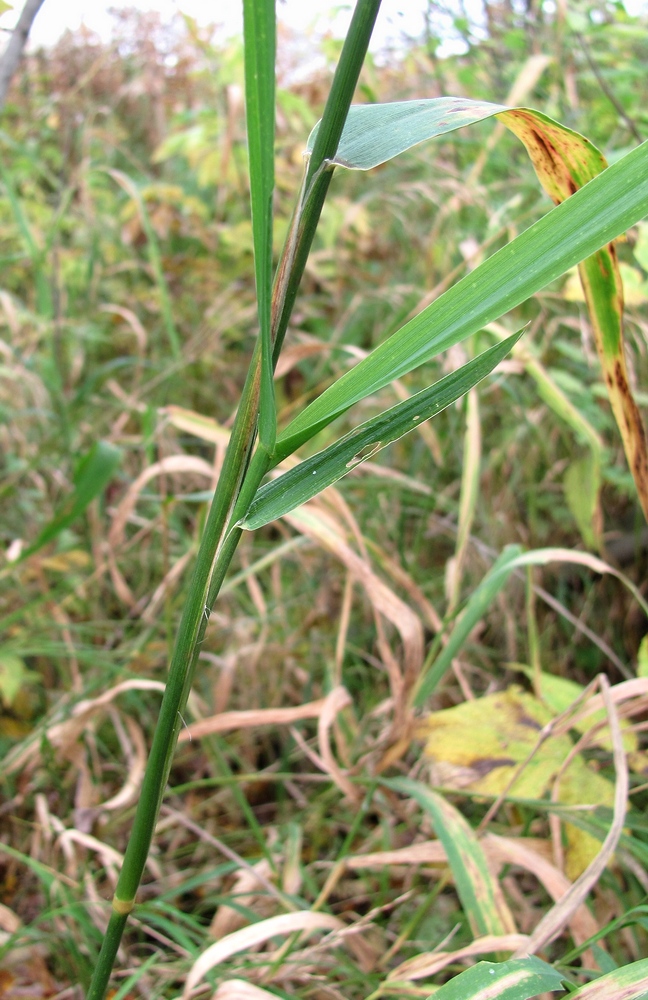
<point>479,892</point>
<point>95,471</point>
<point>376,133</point>
<point>316,473</point>
<point>259,28</point>
<point>480,600</point>
<point>518,979</point>
<point>595,215</point>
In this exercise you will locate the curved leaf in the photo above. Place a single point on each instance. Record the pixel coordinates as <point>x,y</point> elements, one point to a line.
<point>630,982</point>
<point>478,890</point>
<point>376,133</point>
<point>482,597</point>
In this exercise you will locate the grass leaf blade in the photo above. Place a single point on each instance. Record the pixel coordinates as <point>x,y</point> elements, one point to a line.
<point>376,133</point>
<point>629,982</point>
<point>94,472</point>
<point>259,28</point>
<point>309,478</point>
<point>518,979</point>
<point>481,897</point>
<point>592,217</point>
<point>480,600</point>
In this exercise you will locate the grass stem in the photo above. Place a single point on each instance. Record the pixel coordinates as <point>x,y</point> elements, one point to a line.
<point>240,477</point>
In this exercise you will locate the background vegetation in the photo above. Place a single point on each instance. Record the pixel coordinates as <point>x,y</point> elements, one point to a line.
<point>127,317</point>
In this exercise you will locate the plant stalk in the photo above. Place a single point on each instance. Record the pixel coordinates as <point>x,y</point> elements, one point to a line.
<point>238,482</point>
<point>319,172</point>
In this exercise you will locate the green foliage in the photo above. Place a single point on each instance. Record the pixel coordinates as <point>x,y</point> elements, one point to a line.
<point>129,296</point>
<point>516,980</point>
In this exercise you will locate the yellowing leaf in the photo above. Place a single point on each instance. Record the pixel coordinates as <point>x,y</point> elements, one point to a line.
<point>478,889</point>
<point>480,744</point>
<point>13,674</point>
<point>635,287</point>
<point>642,658</point>
<point>560,693</point>
<point>582,785</point>
<point>67,562</point>
<point>205,428</point>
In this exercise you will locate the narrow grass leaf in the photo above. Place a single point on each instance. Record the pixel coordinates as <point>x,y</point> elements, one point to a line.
<point>467,499</point>
<point>638,915</point>
<point>313,475</point>
<point>48,876</point>
<point>479,892</point>
<point>480,600</point>
<point>603,289</point>
<point>627,983</point>
<point>540,557</point>
<point>596,214</point>
<point>239,989</point>
<point>564,161</point>
<point>126,989</point>
<point>427,964</point>
<point>582,480</point>
<point>44,303</point>
<point>518,979</point>
<point>93,474</point>
<point>582,484</point>
<point>259,29</point>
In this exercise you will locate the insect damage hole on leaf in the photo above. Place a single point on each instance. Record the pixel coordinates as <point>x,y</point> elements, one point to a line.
<point>364,454</point>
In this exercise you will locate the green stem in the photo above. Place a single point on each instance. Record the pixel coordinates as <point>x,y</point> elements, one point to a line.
<point>190,633</point>
<point>319,173</point>
<point>237,484</point>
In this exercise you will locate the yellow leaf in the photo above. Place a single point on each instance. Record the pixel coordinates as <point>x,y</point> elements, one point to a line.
<point>582,785</point>
<point>642,658</point>
<point>572,289</point>
<point>560,693</point>
<point>13,674</point>
<point>66,562</point>
<point>635,287</point>
<point>480,744</point>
